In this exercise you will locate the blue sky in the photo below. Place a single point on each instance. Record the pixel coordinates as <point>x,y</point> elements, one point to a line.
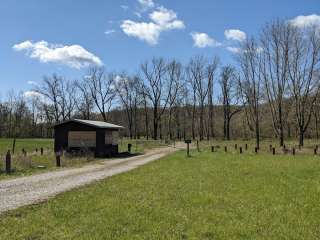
<point>62,36</point>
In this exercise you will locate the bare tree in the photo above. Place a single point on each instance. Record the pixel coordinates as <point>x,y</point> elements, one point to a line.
<point>127,89</point>
<point>193,87</point>
<point>276,41</point>
<point>230,99</point>
<point>85,102</point>
<point>67,99</point>
<point>211,71</point>
<point>102,90</point>
<point>304,76</point>
<point>250,85</point>
<point>50,89</point>
<point>199,83</point>
<point>155,89</point>
<point>174,87</point>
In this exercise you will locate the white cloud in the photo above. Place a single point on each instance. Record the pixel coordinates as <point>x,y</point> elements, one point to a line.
<point>124,7</point>
<point>33,83</point>
<point>108,32</point>
<point>146,4</point>
<point>235,34</point>
<point>162,20</point>
<point>163,16</point>
<point>32,94</point>
<point>203,40</point>
<point>148,32</point>
<point>73,56</point>
<point>238,50</point>
<point>312,20</point>
<point>234,49</point>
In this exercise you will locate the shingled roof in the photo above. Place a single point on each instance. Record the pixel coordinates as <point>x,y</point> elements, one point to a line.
<point>96,124</point>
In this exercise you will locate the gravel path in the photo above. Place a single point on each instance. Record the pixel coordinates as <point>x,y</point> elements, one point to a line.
<point>23,191</point>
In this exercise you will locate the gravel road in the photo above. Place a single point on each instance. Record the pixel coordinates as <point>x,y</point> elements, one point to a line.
<point>23,191</point>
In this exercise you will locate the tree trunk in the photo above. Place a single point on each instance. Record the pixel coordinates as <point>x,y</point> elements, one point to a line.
<point>301,137</point>
<point>193,122</point>
<point>257,135</point>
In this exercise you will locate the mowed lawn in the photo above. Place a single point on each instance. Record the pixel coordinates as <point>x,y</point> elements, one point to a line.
<point>29,144</point>
<point>208,196</point>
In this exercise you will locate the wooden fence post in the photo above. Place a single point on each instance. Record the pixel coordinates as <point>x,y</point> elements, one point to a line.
<point>212,148</point>
<point>188,150</point>
<point>236,146</point>
<point>198,146</point>
<point>246,146</point>
<point>58,160</point>
<point>225,149</point>
<point>8,162</point>
<point>273,151</point>
<point>129,147</point>
<point>256,150</point>
<point>240,150</point>
<point>315,151</point>
<point>293,151</point>
<point>41,150</point>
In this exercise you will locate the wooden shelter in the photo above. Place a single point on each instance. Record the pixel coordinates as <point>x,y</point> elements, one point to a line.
<point>85,135</point>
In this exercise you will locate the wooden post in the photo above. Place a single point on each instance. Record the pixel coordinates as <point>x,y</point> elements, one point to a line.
<point>58,160</point>
<point>14,145</point>
<point>225,149</point>
<point>212,148</point>
<point>236,146</point>
<point>188,141</point>
<point>41,150</point>
<point>315,151</point>
<point>256,150</point>
<point>188,150</point>
<point>240,150</point>
<point>198,146</point>
<point>129,147</point>
<point>273,151</point>
<point>8,162</point>
<point>293,151</point>
<point>246,146</point>
<point>36,149</point>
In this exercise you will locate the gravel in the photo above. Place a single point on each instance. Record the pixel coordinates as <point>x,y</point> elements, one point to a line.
<point>15,193</point>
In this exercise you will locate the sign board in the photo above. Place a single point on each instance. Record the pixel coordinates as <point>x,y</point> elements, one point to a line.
<point>82,139</point>
<point>187,141</point>
<point>108,138</point>
<point>111,137</point>
<point>115,137</point>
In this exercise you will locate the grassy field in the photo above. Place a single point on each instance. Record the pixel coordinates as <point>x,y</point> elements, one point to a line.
<point>29,145</point>
<point>36,163</point>
<point>207,196</point>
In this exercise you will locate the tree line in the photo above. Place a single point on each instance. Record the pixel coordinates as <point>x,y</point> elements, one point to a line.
<point>271,90</point>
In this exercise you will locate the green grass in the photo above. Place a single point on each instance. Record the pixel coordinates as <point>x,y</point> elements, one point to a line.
<point>140,145</point>
<point>208,196</point>
<point>29,144</point>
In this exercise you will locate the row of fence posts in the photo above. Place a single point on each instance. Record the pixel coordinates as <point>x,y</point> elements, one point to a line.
<point>271,149</point>
<point>8,159</point>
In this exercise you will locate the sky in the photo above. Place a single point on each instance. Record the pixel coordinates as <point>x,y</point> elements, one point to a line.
<point>42,37</point>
